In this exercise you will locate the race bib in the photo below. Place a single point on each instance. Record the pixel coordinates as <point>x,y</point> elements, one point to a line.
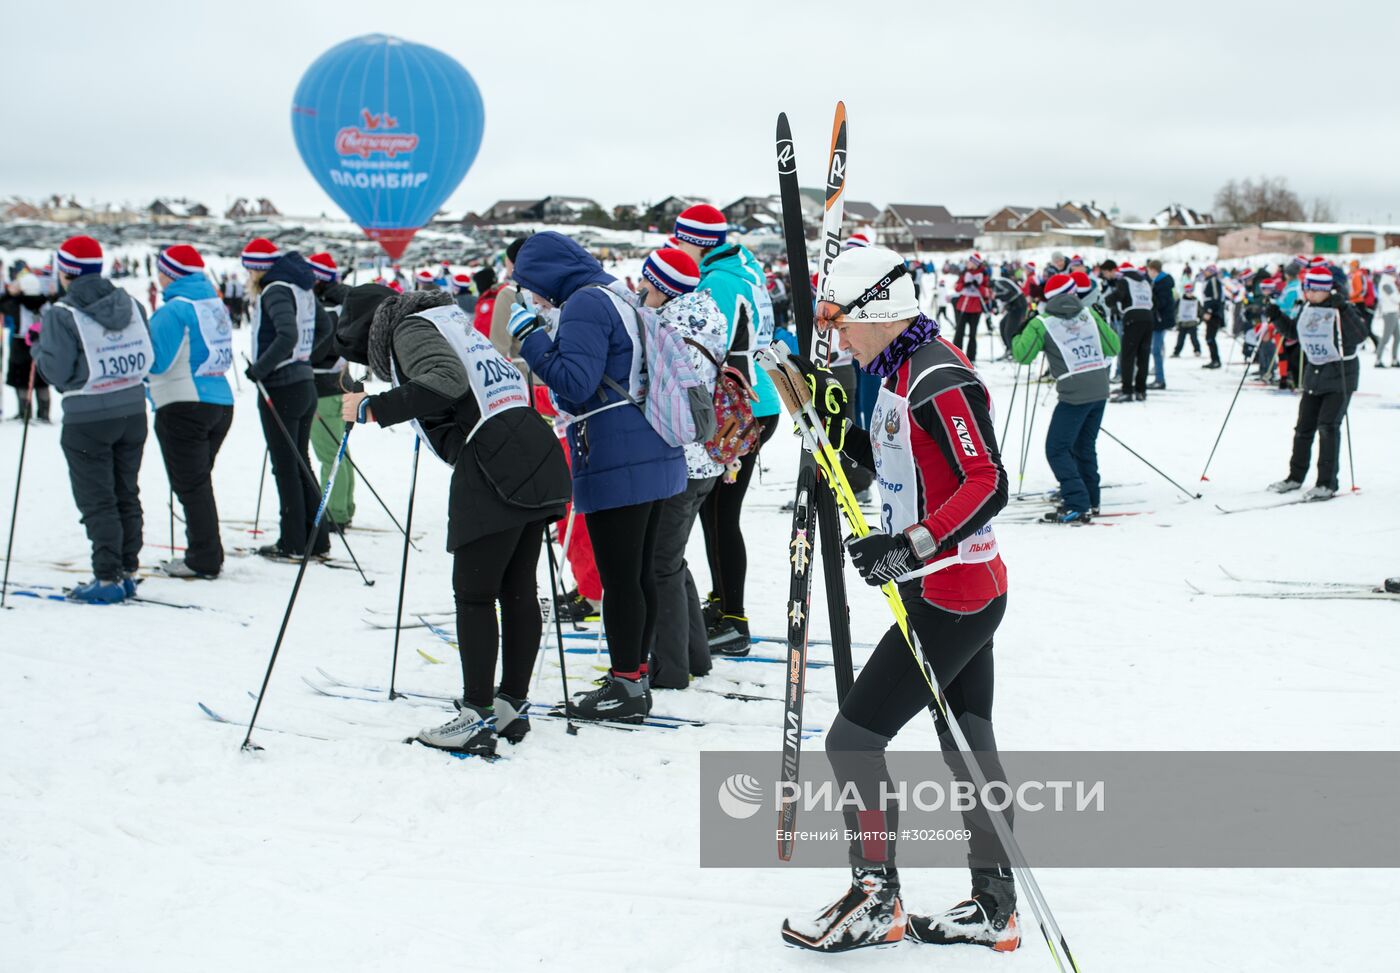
<point>1317,334</point>
<point>1188,311</point>
<point>116,360</point>
<point>217,331</point>
<point>1140,291</point>
<point>1078,341</point>
<point>306,321</point>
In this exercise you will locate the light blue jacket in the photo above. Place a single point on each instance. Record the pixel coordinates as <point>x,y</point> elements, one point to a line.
<point>180,348</point>
<point>736,281</point>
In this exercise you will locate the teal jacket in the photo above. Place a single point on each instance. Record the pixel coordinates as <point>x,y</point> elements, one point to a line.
<point>735,279</point>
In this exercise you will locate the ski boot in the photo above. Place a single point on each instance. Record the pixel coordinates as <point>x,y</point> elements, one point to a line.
<point>711,612</point>
<point>730,637</point>
<point>575,608</point>
<point>512,717</point>
<point>869,914</point>
<point>180,568</point>
<point>1061,515</point>
<point>1284,486</point>
<point>1392,585</point>
<point>617,700</point>
<point>986,919</point>
<point>472,730</point>
<point>100,592</point>
<point>1319,492</point>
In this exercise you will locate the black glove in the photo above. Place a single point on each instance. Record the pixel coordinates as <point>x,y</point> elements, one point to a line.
<point>251,375</point>
<point>828,398</point>
<point>882,557</point>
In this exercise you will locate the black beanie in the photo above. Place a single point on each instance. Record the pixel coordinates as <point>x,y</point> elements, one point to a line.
<point>356,316</point>
<point>484,279</point>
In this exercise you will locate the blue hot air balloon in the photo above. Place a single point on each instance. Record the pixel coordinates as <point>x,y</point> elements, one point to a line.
<point>388,128</point>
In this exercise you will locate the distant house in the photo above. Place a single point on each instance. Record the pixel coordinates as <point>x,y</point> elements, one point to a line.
<point>515,211</point>
<point>1174,214</point>
<point>1339,237</point>
<point>176,210</point>
<point>746,207</point>
<point>1006,219</point>
<point>550,209</point>
<point>857,215</point>
<point>1088,212</point>
<point>19,209</point>
<point>568,209</point>
<point>665,212</point>
<point>920,227</point>
<point>243,210</point>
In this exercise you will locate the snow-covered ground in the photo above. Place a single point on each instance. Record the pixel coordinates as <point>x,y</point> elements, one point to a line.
<point>138,837</point>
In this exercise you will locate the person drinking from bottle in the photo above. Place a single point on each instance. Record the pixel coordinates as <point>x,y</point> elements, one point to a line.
<point>193,339</point>
<point>472,409</point>
<point>941,479</point>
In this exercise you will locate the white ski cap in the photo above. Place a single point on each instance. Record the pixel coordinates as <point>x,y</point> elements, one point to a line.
<point>853,279</point>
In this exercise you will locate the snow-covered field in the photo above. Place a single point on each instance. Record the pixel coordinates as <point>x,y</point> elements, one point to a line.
<point>138,837</point>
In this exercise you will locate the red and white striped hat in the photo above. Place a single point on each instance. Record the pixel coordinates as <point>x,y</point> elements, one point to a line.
<point>323,266</point>
<point>179,261</point>
<point>673,272</point>
<point>1082,283</point>
<point>974,260</point>
<point>424,276</point>
<point>80,255</point>
<point>461,283</point>
<point>1058,284</point>
<point>1317,279</point>
<point>260,253</point>
<point>1125,266</point>
<point>860,238</point>
<point>702,225</point>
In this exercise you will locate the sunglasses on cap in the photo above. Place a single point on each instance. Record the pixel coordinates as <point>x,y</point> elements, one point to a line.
<point>829,312</point>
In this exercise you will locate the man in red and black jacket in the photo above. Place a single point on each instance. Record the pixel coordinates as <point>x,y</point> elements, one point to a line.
<point>941,480</point>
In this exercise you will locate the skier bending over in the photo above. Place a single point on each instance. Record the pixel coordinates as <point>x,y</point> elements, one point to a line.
<point>933,448</point>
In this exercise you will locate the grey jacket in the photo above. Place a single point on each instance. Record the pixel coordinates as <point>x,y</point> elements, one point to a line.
<point>59,351</point>
<point>1080,389</point>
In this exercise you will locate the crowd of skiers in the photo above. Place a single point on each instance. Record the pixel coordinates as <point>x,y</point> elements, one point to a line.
<point>616,415</point>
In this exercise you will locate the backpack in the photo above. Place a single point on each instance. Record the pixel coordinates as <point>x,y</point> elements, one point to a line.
<point>677,403</point>
<point>736,430</point>
<point>1368,293</point>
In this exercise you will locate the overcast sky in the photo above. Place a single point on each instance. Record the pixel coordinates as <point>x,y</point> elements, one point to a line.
<point>965,104</point>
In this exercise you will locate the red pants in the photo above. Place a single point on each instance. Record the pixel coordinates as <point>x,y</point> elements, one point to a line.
<point>580,552</point>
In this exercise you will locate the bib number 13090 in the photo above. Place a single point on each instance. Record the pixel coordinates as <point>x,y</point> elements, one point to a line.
<point>119,366</point>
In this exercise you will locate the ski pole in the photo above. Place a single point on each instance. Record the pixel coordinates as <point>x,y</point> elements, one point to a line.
<point>306,471</point>
<point>257,511</point>
<point>403,567</point>
<point>1351,457</point>
<point>571,727</point>
<point>1193,496</point>
<point>1026,446</point>
<point>1010,408</point>
<point>546,613</point>
<point>1238,389</point>
<point>369,486</point>
<point>19,474</point>
<point>1025,414</point>
<point>172,523</point>
<point>248,743</point>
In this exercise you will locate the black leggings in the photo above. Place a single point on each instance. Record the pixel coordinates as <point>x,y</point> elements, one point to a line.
<point>724,540</point>
<point>624,548</point>
<point>890,691</point>
<point>967,320</point>
<point>297,495</point>
<point>498,567</point>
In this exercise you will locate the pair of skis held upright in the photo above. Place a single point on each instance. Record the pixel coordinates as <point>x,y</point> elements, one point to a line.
<point>817,500</point>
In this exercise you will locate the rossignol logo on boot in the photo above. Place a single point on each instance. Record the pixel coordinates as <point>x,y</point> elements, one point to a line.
<point>964,436</point>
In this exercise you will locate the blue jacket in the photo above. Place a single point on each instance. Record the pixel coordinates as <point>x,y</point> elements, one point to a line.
<point>617,458</point>
<point>180,348</point>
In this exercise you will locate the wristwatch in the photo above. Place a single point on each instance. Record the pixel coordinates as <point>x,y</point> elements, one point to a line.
<point>923,542</point>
